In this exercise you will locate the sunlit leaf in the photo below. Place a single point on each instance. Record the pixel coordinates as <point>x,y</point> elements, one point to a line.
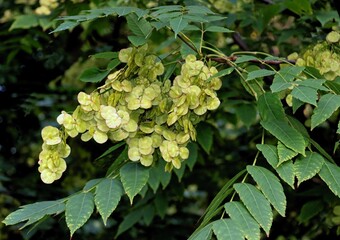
<point>246,223</point>
<point>330,174</point>
<point>284,153</point>
<point>78,210</point>
<point>133,176</point>
<point>270,186</point>
<point>270,107</point>
<point>203,234</point>
<point>34,212</point>
<point>178,24</point>
<point>285,170</point>
<point>256,203</point>
<point>327,105</point>
<point>286,134</point>
<point>259,74</point>
<point>107,197</point>
<point>25,22</point>
<point>227,229</point>
<point>218,29</point>
<point>307,167</point>
<point>65,26</point>
<point>283,78</point>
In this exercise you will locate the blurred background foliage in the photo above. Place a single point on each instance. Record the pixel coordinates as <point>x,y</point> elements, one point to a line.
<point>39,77</point>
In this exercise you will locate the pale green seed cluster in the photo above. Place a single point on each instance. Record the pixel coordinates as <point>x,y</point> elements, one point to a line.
<point>51,158</point>
<point>324,56</point>
<point>149,114</point>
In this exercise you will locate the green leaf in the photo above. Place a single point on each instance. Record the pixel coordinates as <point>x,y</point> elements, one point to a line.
<point>78,210</point>
<point>107,197</point>
<point>105,55</point>
<point>178,24</point>
<point>270,186</point>
<point>139,27</point>
<point>338,131</point>
<point>161,204</point>
<point>256,204</point>
<point>165,9</point>
<point>203,234</point>
<point>226,229</point>
<point>110,150</point>
<point>222,73</point>
<point>91,184</point>
<point>286,134</point>
<point>259,74</point>
<point>137,40</point>
<point>330,174</point>
<point>198,9</point>
<point>270,107</point>
<point>118,162</point>
<point>65,25</point>
<point>218,29</point>
<point>129,220</point>
<point>307,167</point>
<point>305,94</point>
<point>113,64</point>
<point>245,58</point>
<point>246,223</point>
<point>284,153</point>
<point>134,177</point>
<point>93,74</point>
<point>310,210</point>
<point>300,128</point>
<point>283,78</point>
<point>327,16</point>
<point>193,155</point>
<point>180,172</point>
<point>123,11</point>
<point>300,7</point>
<point>335,86</point>
<point>247,113</point>
<point>327,105</point>
<point>34,212</point>
<point>312,83</point>
<point>214,205</point>
<point>148,214</point>
<point>205,136</point>
<point>285,170</point>
<point>25,22</point>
